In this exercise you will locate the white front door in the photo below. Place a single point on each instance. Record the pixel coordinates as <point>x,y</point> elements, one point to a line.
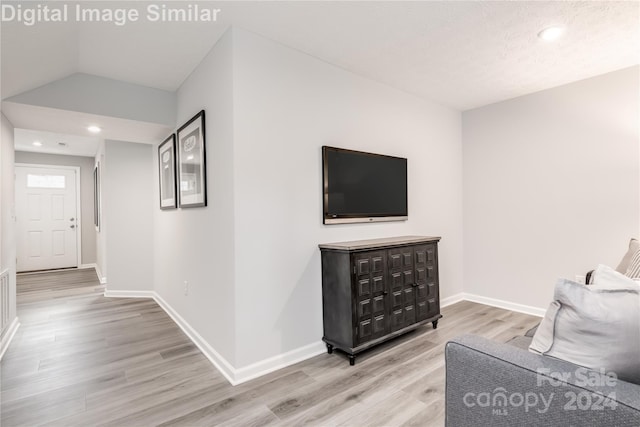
<point>46,218</point>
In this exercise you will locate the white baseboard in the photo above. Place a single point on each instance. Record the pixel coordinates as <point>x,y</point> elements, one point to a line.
<point>8,336</point>
<point>507,305</point>
<point>233,375</point>
<point>129,294</point>
<point>85,266</point>
<point>103,279</point>
<point>237,376</point>
<point>452,299</point>
<point>280,361</point>
<point>214,357</point>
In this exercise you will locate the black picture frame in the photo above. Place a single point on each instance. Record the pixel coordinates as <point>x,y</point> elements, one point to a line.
<point>167,173</point>
<point>96,196</point>
<point>192,167</point>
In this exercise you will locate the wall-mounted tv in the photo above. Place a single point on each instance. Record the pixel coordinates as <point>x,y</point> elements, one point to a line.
<point>363,187</point>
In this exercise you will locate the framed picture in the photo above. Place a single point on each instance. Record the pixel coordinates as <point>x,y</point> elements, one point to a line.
<point>192,170</point>
<point>96,196</point>
<point>167,170</point>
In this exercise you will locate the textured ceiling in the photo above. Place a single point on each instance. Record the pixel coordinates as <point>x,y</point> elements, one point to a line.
<point>459,54</point>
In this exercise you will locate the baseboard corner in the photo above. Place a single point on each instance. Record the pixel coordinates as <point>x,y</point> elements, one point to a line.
<point>450,300</point>
<point>234,375</point>
<point>507,305</point>
<point>279,361</point>
<point>87,266</point>
<point>101,278</point>
<point>216,359</point>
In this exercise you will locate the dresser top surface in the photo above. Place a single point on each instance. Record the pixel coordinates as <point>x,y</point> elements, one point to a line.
<point>378,243</point>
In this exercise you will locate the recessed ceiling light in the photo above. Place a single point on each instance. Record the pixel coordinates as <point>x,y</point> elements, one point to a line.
<point>551,33</point>
<point>37,143</point>
<point>94,129</point>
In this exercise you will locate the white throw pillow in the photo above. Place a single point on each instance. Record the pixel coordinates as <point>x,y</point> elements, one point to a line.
<point>633,270</point>
<point>634,246</point>
<point>596,326</point>
<point>607,277</point>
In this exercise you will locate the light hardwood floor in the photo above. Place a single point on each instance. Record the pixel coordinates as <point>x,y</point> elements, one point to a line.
<point>80,359</point>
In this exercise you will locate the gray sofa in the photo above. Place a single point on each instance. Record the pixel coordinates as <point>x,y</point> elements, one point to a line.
<point>498,384</point>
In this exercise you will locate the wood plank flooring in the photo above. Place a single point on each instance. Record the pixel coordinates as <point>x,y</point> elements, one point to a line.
<point>80,359</point>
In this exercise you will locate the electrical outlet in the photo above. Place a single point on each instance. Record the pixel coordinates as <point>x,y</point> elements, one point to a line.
<point>186,288</point>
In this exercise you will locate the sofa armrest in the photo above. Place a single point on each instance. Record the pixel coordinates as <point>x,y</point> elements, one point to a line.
<point>489,383</point>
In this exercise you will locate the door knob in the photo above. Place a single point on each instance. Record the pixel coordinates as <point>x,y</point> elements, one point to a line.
<point>71,219</point>
<point>72,226</point>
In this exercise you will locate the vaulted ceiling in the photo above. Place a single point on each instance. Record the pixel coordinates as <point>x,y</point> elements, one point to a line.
<point>458,54</point>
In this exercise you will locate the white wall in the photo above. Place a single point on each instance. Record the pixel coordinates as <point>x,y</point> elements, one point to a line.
<point>551,186</point>
<point>286,106</point>
<point>196,245</point>
<point>101,231</point>
<point>127,212</point>
<point>7,216</point>
<point>251,256</point>
<point>88,231</point>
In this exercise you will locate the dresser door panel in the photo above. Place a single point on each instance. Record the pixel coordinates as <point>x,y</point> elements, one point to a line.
<point>401,279</point>
<point>371,318</point>
<point>431,289</point>
<point>421,257</point>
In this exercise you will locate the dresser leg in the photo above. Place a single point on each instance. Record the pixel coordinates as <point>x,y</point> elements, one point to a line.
<point>435,324</point>
<point>329,348</point>
<point>352,359</point>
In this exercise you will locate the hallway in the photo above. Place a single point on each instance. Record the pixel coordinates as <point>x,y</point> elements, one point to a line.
<point>79,358</point>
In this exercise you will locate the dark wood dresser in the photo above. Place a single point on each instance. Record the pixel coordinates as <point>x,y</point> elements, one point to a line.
<point>375,290</point>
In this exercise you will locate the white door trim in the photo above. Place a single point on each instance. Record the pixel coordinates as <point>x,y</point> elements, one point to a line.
<point>78,201</point>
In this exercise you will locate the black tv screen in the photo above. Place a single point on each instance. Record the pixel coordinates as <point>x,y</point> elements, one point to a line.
<point>363,187</point>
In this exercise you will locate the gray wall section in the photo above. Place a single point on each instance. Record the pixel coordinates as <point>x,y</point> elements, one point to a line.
<point>551,185</point>
<point>7,211</point>
<point>286,105</point>
<point>86,193</point>
<point>197,245</point>
<point>101,233</point>
<point>106,97</point>
<point>127,175</point>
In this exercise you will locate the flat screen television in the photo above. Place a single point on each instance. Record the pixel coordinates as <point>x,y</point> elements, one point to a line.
<point>363,187</point>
